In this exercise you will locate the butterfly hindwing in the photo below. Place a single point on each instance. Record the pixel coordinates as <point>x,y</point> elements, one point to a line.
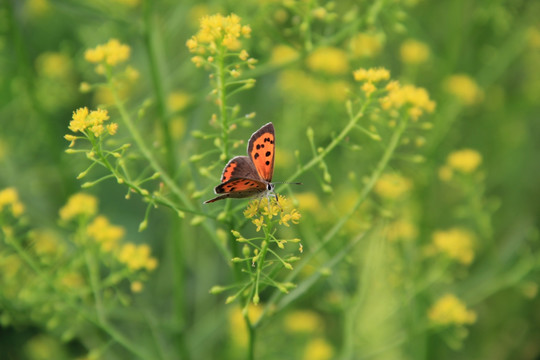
<point>238,188</point>
<point>261,151</point>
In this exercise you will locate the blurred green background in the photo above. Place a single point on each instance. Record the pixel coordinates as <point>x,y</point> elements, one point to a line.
<point>479,61</point>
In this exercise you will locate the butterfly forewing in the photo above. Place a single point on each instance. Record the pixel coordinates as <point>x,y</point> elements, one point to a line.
<point>261,150</point>
<point>239,167</point>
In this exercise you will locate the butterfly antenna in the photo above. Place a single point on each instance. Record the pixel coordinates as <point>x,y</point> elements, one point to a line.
<point>293,183</point>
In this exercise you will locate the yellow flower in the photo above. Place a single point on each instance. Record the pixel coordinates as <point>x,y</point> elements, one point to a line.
<point>83,120</point>
<point>283,54</point>
<point>308,201</point>
<point>318,349</point>
<point>54,65</point>
<point>415,99</point>
<point>72,280</point>
<point>414,52</point>
<point>402,230</point>
<point>137,257</point>
<point>456,243</point>
<point>464,88</point>
<point>328,60</point>
<point>111,53</point>
<point>105,233</point>
<point>46,242</point>
<point>366,45</point>
<point>297,85</point>
<point>79,204</point>
<point>37,8</point>
<point>136,286</point>
<point>449,310</point>
<point>371,75</point>
<point>368,88</point>
<point>466,160</point>
<point>10,197</point>
<point>237,324</point>
<point>445,173</point>
<point>218,30</point>
<point>392,186</point>
<point>178,100</point>
<point>302,321</point>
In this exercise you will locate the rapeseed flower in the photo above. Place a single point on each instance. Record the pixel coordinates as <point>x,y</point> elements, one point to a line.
<point>392,186</point>
<point>302,321</point>
<point>329,60</point>
<point>137,257</point>
<point>112,53</point>
<point>449,310</point>
<point>79,204</point>
<point>416,100</point>
<point>465,160</point>
<point>414,52</point>
<point>318,349</point>
<point>259,209</point>
<point>456,243</point>
<point>9,198</point>
<point>218,30</point>
<point>366,45</point>
<point>464,88</point>
<point>106,234</point>
<point>90,122</point>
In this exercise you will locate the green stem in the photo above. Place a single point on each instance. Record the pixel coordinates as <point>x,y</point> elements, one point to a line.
<point>150,38</point>
<point>222,100</point>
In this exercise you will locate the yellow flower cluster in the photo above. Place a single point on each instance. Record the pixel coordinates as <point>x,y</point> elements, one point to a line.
<point>371,75</point>
<point>284,209</point>
<point>79,204</point>
<point>318,349</point>
<point>392,186</point>
<point>402,230</point>
<point>218,30</point>
<point>9,198</point>
<point>137,257</point>
<point>301,86</point>
<point>456,243</point>
<point>464,88</point>
<point>329,60</point>
<point>83,120</point>
<point>303,321</point>
<point>449,310</point>
<point>366,45</point>
<point>46,243</point>
<point>105,233</point>
<point>111,53</point>
<point>464,161</point>
<point>414,52</point>
<point>416,100</point>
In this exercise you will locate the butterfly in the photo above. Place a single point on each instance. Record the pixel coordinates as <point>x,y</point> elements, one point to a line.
<point>250,176</point>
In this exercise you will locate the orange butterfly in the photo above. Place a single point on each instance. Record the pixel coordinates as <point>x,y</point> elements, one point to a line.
<point>251,176</point>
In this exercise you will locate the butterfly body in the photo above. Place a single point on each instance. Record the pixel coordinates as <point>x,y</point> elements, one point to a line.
<point>250,176</point>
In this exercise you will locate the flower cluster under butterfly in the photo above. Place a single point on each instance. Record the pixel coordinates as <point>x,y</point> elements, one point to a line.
<point>250,176</point>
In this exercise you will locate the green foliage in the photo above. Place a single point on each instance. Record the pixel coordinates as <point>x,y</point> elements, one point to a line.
<point>411,125</point>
